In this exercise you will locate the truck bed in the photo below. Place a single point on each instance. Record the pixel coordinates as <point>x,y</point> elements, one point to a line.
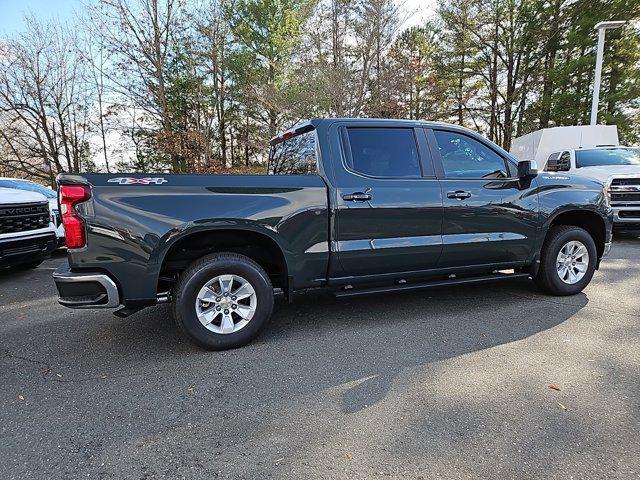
<point>133,220</point>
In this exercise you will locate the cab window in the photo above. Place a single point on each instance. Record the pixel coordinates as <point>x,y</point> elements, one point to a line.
<point>382,152</point>
<point>465,157</point>
<point>294,156</point>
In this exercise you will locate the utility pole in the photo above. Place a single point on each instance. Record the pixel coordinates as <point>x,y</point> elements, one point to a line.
<point>601,27</point>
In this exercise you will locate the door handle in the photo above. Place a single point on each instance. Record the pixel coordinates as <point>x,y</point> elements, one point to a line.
<point>459,195</point>
<point>357,197</point>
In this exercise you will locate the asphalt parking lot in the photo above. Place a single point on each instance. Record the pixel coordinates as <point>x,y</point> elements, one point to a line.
<point>449,383</point>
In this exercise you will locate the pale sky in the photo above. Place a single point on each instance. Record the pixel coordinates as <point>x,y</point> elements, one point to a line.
<point>423,9</point>
<point>12,11</point>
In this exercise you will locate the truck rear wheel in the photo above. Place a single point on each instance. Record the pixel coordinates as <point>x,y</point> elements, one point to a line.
<point>223,300</point>
<point>568,260</point>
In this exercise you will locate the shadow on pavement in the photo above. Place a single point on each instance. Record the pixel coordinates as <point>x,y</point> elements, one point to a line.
<point>130,388</point>
<point>318,340</point>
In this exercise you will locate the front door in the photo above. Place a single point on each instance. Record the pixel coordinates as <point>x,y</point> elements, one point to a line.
<point>389,204</point>
<point>488,218</point>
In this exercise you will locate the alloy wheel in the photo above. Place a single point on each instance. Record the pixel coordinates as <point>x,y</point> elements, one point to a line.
<point>226,304</point>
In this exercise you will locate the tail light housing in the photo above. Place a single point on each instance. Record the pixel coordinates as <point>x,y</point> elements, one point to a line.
<point>74,227</point>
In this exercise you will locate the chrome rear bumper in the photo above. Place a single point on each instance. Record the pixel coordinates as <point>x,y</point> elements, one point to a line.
<point>85,290</point>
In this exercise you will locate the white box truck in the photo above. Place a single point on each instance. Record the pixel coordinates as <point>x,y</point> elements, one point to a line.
<point>539,145</point>
<point>589,151</point>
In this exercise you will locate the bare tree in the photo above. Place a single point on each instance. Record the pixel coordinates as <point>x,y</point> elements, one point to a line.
<point>43,102</point>
<point>140,36</point>
<point>93,50</point>
<point>215,35</point>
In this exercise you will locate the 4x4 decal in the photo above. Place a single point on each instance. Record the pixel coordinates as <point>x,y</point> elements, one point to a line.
<point>137,181</point>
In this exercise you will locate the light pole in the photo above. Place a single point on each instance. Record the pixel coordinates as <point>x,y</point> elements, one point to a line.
<point>601,27</point>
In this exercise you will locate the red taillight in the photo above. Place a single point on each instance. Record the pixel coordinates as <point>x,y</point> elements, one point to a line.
<point>70,196</point>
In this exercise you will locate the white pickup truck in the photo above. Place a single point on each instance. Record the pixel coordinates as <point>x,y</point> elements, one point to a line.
<point>589,151</point>
<point>27,233</point>
<point>52,197</point>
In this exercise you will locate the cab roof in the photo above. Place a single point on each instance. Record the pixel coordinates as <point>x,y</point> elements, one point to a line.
<point>314,123</point>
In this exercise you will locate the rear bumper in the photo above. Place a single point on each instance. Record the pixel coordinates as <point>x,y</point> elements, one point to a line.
<point>86,289</point>
<point>26,249</point>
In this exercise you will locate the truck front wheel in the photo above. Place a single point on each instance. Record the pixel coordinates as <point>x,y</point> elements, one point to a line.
<point>223,300</point>
<point>568,260</point>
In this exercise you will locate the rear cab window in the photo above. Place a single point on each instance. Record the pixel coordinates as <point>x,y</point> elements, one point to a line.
<point>296,155</point>
<point>382,152</point>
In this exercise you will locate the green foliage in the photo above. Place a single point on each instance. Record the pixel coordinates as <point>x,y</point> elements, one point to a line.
<point>146,156</point>
<point>266,32</point>
<point>573,44</point>
<point>419,86</point>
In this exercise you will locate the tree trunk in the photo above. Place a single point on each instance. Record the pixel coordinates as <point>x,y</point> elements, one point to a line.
<point>273,115</point>
<point>246,141</point>
<point>549,66</point>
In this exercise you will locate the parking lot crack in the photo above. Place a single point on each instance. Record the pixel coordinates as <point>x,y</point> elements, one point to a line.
<point>46,367</point>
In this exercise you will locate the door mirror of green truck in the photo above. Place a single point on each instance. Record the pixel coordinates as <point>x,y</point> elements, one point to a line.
<point>527,170</point>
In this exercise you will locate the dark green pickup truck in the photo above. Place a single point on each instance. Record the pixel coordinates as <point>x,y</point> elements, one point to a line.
<point>352,205</point>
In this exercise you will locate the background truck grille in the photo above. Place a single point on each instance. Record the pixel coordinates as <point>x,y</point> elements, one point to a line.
<point>626,181</point>
<point>625,191</point>
<point>625,197</point>
<point>24,217</point>
<point>630,214</point>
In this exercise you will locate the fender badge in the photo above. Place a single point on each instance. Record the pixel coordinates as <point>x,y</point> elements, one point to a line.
<point>556,177</point>
<point>137,181</point>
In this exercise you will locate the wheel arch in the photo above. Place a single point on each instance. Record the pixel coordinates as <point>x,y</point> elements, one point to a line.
<point>255,243</point>
<point>589,220</point>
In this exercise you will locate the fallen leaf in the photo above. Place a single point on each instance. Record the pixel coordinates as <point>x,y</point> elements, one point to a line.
<point>554,387</point>
<point>349,456</point>
<point>190,391</point>
<point>562,406</point>
<point>20,397</point>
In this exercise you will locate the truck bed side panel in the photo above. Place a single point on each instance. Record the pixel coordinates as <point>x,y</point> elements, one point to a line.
<point>130,228</point>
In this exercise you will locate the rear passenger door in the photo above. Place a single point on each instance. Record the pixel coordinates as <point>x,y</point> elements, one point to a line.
<point>488,218</point>
<point>389,206</point>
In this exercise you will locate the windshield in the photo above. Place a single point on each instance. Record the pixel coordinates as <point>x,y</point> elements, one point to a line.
<point>607,156</point>
<point>28,186</point>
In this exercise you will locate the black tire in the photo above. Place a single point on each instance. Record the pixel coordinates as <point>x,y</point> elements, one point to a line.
<point>548,278</point>
<point>197,275</point>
